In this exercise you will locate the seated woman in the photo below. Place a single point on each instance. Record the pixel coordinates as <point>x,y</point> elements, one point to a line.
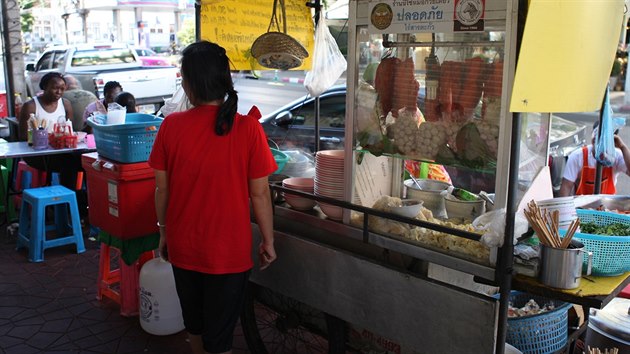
<point>51,106</point>
<point>127,100</point>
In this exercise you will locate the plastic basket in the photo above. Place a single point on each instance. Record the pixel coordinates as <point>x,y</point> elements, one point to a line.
<point>281,159</point>
<point>129,142</point>
<point>540,334</point>
<point>611,254</point>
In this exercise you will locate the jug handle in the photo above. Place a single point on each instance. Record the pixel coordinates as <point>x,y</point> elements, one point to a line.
<point>589,262</point>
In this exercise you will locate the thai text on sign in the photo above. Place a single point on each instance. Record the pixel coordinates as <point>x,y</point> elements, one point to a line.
<point>235,25</point>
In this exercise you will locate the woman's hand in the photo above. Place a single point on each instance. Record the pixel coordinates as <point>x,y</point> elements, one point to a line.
<point>266,254</point>
<point>163,251</point>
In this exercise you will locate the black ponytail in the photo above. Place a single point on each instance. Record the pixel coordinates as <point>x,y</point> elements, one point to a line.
<point>205,69</point>
<point>225,117</point>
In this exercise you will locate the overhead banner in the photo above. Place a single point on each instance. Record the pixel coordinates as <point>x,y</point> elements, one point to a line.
<point>418,16</point>
<point>235,25</point>
<point>566,55</point>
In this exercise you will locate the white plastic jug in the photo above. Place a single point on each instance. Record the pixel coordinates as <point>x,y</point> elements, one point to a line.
<point>160,311</point>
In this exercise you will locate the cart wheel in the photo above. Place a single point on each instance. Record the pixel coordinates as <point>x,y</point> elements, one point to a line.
<point>275,324</point>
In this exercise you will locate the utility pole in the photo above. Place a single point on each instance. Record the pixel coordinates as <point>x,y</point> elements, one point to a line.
<point>12,48</point>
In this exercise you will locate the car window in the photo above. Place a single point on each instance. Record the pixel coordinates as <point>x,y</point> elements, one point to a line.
<point>59,58</point>
<point>102,57</point>
<point>332,112</point>
<point>44,62</point>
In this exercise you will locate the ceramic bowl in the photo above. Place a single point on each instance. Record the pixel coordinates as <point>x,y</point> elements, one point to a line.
<point>410,208</point>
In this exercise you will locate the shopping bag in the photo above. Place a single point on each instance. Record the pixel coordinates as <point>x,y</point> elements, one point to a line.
<point>328,62</point>
<point>604,138</point>
<point>178,103</point>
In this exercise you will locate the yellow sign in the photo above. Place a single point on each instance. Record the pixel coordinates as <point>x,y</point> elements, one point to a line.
<point>235,25</point>
<point>566,55</point>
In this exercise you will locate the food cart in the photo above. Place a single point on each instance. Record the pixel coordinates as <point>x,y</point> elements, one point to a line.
<point>419,284</point>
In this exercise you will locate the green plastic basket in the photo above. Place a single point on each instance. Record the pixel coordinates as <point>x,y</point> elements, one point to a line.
<point>281,159</point>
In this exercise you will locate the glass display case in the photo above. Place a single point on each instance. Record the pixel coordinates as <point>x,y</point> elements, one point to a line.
<point>430,103</point>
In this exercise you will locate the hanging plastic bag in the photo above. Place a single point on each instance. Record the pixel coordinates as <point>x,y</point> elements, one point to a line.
<point>604,138</point>
<point>178,103</point>
<point>328,62</point>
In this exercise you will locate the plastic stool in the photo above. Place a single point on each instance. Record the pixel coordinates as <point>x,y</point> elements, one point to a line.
<point>54,180</point>
<point>32,230</point>
<point>120,284</point>
<point>27,177</point>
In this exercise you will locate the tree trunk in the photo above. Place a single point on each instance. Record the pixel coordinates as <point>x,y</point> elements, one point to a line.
<point>14,58</point>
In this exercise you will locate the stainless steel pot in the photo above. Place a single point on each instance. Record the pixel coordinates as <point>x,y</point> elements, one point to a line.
<point>562,267</point>
<point>610,327</point>
<point>430,194</point>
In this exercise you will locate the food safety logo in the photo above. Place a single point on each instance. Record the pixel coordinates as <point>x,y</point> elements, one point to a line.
<point>381,16</point>
<point>469,15</point>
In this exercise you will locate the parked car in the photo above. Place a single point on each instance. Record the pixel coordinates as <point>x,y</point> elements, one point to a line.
<point>293,127</point>
<point>96,64</point>
<point>150,58</point>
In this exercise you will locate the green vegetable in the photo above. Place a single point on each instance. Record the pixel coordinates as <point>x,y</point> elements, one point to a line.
<point>615,229</point>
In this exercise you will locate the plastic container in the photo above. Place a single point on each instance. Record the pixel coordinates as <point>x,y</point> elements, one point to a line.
<point>611,254</point>
<point>116,116</point>
<point>121,196</point>
<point>129,142</point>
<point>160,310</point>
<point>543,333</point>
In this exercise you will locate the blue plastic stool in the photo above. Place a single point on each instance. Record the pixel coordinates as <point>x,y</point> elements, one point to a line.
<point>33,228</point>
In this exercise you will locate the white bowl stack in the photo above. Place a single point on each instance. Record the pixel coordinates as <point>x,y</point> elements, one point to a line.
<point>329,180</point>
<point>301,184</point>
<point>565,206</point>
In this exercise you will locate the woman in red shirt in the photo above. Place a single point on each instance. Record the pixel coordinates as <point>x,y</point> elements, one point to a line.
<point>209,163</point>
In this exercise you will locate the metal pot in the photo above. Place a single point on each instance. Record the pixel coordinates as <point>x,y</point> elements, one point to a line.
<point>430,194</point>
<point>610,327</point>
<point>562,267</point>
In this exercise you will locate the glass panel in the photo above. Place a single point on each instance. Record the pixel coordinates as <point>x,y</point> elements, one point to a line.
<point>437,101</point>
<point>431,104</point>
<point>534,143</point>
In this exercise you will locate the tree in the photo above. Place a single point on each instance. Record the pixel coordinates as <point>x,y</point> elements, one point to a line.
<point>186,35</point>
<point>26,16</point>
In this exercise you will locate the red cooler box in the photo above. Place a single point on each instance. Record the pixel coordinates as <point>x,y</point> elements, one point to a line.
<point>120,196</point>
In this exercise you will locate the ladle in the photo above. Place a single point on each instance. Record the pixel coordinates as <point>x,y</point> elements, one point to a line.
<point>415,181</point>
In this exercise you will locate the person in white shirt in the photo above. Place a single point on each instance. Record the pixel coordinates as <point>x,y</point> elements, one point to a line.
<point>579,173</point>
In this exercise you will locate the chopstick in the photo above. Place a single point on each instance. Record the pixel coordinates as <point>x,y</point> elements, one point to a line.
<point>546,225</point>
<point>570,232</point>
<point>599,351</point>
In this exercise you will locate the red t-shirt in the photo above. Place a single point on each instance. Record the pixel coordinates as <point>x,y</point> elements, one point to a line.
<point>208,218</point>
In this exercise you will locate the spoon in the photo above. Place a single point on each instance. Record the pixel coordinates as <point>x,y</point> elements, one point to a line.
<point>415,181</point>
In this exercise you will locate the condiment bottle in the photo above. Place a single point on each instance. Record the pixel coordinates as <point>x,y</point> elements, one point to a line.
<point>18,104</point>
<point>30,123</point>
